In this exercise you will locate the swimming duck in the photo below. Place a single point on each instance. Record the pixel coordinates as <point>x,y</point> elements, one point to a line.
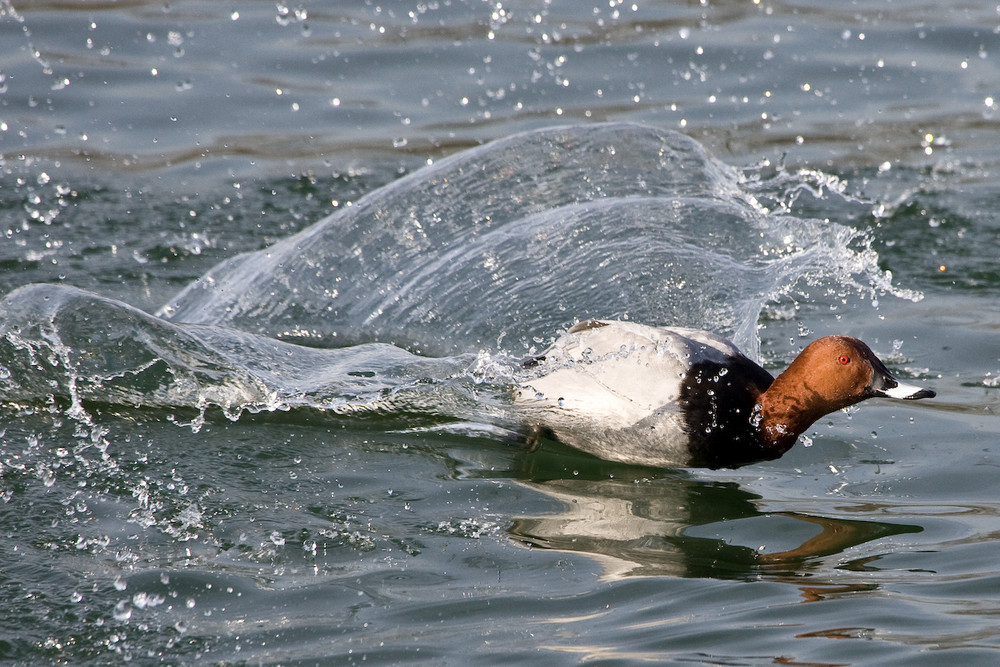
<point>662,396</point>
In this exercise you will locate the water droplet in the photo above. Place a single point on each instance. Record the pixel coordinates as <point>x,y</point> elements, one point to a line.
<point>143,600</point>
<point>122,611</point>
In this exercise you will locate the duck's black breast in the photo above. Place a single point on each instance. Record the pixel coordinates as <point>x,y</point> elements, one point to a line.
<point>717,400</point>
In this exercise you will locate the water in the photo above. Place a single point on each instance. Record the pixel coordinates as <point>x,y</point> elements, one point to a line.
<point>309,456</point>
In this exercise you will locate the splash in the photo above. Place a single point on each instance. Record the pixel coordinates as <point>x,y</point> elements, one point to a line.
<point>422,297</point>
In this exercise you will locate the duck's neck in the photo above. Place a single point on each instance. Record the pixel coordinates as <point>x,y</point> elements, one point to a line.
<point>782,414</point>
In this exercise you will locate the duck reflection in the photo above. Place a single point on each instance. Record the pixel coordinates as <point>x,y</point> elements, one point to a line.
<point>674,524</point>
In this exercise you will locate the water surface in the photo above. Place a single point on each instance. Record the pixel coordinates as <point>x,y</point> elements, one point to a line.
<point>259,471</point>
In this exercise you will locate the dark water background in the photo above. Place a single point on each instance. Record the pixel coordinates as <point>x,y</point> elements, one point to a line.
<point>328,512</point>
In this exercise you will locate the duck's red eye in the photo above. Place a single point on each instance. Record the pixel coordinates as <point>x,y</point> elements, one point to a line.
<point>844,359</point>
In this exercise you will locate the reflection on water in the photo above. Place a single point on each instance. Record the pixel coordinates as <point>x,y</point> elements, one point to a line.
<point>677,525</point>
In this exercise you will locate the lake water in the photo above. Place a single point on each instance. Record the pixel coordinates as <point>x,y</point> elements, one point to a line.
<point>308,455</point>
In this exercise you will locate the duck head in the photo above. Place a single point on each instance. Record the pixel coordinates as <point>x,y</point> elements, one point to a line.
<point>830,374</point>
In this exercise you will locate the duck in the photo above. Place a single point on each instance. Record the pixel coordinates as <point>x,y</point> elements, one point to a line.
<point>674,396</point>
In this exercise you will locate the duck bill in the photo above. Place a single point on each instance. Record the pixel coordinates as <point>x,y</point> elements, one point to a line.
<point>907,392</point>
<point>884,384</point>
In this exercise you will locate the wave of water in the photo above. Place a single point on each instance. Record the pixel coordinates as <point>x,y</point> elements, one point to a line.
<point>423,295</point>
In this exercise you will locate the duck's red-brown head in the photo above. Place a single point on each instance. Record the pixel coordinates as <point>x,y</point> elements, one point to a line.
<point>831,373</point>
